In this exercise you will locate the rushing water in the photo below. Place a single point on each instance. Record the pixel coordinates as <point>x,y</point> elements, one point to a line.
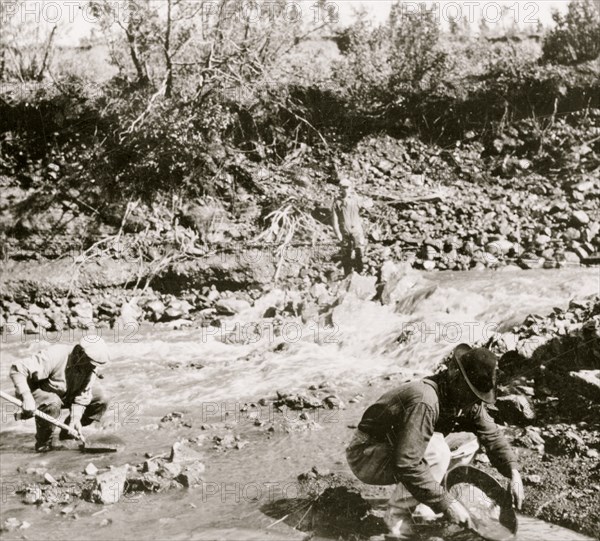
<point>155,372</point>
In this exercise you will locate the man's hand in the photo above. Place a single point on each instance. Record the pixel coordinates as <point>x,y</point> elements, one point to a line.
<point>75,425</point>
<point>28,406</point>
<point>458,514</point>
<point>517,492</point>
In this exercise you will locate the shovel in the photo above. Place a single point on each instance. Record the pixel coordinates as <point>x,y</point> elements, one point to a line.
<point>85,447</point>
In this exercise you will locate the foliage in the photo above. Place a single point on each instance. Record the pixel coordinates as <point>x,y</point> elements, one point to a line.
<point>198,96</point>
<point>576,37</point>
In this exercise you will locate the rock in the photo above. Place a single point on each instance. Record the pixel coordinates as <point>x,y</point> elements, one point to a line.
<point>527,346</point>
<point>542,240</point>
<point>401,278</point>
<point>333,402</point>
<point>570,258</point>
<point>177,309</point>
<point>49,479</point>
<point>385,166</point>
<point>108,308</point>
<point>109,486</point>
<point>318,289</point>
<point>568,443</point>
<point>583,186</point>
<point>499,247</point>
<point>532,479</point>
<point>11,524</point>
<point>508,342</point>
<point>84,311</point>
<point>150,466</point>
<point>429,265</point>
<point>183,452</point>
<point>572,234</point>
<point>362,286</point>
<point>531,261</point>
<point>90,469</point>
<point>230,307</point>
<point>156,310</point>
<point>580,218</point>
<point>129,315</point>
<point>515,409</point>
<point>169,470</point>
<point>191,475</point>
<point>309,311</point>
<point>33,495</point>
<point>586,383</point>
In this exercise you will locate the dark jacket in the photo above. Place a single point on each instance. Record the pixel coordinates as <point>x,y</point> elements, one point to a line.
<point>408,416</point>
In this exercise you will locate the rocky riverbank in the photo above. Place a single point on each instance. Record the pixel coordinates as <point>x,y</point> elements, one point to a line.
<point>473,206</point>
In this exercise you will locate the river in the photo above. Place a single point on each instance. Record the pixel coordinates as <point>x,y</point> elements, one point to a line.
<point>157,371</point>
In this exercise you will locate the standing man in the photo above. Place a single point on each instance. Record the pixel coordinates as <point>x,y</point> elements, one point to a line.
<point>347,226</point>
<point>62,377</point>
<point>400,439</point>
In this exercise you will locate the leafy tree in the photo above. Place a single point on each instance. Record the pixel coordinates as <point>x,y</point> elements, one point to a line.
<point>576,37</point>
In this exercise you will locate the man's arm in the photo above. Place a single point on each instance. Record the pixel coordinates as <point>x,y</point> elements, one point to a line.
<point>20,372</point>
<point>335,221</point>
<point>81,400</point>
<point>413,471</point>
<point>498,450</point>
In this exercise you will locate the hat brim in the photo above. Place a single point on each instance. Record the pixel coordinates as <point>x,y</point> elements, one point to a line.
<point>459,352</point>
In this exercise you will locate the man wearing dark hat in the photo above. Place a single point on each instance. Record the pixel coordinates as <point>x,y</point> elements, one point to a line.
<point>400,439</point>
<point>62,377</point>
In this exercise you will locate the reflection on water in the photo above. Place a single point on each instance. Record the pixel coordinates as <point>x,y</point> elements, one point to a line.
<point>193,371</point>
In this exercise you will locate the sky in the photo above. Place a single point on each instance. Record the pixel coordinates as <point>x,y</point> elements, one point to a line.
<point>75,23</point>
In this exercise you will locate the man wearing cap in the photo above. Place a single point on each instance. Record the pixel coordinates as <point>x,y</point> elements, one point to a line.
<point>347,226</point>
<point>404,439</point>
<point>62,377</point>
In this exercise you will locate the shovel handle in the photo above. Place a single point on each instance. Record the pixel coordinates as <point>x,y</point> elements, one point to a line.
<point>44,416</point>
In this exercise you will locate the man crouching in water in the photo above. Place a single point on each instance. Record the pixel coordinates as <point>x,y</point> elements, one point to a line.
<point>400,439</point>
<point>62,377</point>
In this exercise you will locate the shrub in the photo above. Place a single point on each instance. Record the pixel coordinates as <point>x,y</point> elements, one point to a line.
<point>576,37</point>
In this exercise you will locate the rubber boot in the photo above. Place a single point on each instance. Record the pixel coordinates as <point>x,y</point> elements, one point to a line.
<point>44,429</point>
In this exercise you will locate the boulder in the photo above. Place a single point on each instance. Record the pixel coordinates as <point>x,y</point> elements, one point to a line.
<point>155,309</point>
<point>333,402</point>
<point>83,310</point>
<point>583,186</point>
<point>429,265</point>
<point>177,309</point>
<point>362,286</point>
<point>11,524</point>
<point>183,452</point>
<point>568,443</point>
<point>169,469</point>
<point>191,475</point>
<point>499,247</point>
<point>90,469</point>
<point>580,218</point>
<point>109,486</point>
<point>531,261</point>
<point>230,307</point>
<point>570,259</point>
<point>129,315</point>
<point>398,282</point>
<point>515,409</point>
<point>586,383</point>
